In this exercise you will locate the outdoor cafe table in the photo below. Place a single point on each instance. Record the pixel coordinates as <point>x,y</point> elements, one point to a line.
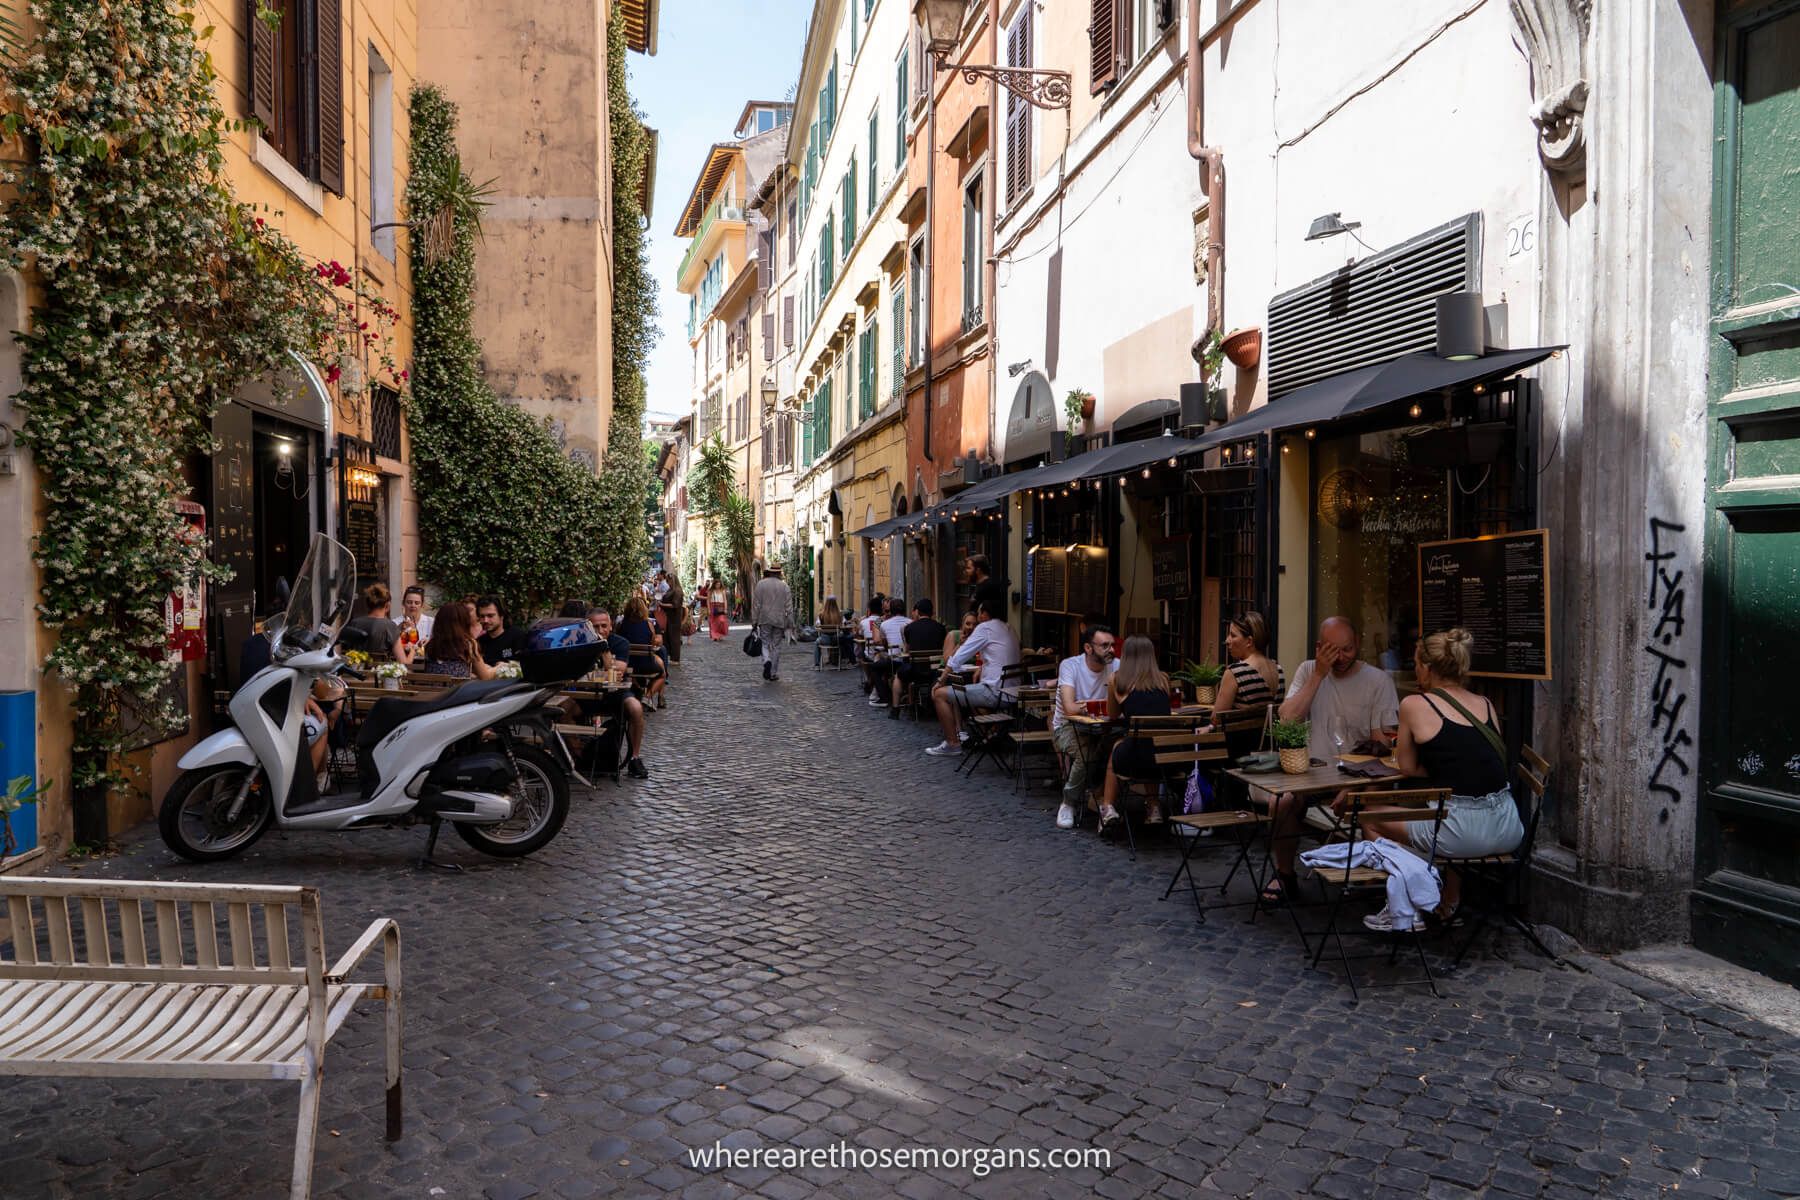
<point>1096,735</point>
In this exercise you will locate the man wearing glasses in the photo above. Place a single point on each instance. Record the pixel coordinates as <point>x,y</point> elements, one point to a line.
<point>1079,680</point>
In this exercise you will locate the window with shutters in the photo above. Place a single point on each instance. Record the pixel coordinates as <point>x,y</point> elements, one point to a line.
<point>897,335</point>
<point>865,388</point>
<point>768,336</point>
<point>825,265</point>
<point>1018,112</point>
<point>381,154</point>
<point>787,322</point>
<point>874,150</point>
<point>793,225</point>
<point>972,252</point>
<point>297,86</point>
<point>855,22</point>
<point>901,104</point>
<point>915,278</point>
<point>849,208</point>
<point>1110,42</point>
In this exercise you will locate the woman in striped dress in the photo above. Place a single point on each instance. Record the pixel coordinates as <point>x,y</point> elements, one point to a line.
<point>1253,677</point>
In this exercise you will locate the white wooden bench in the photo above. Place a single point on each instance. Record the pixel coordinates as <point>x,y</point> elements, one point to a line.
<point>191,981</point>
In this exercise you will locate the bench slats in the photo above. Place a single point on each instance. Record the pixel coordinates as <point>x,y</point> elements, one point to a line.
<point>24,929</point>
<point>168,933</point>
<point>56,923</point>
<point>206,934</point>
<point>131,933</point>
<point>275,928</point>
<point>243,950</point>
<point>93,930</point>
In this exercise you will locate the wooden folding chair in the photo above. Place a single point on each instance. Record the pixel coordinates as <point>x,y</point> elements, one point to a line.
<point>1501,878</point>
<point>1031,729</point>
<point>1407,806</point>
<point>987,727</point>
<point>1177,745</point>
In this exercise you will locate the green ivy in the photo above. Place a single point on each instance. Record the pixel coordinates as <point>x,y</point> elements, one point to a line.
<point>160,296</point>
<point>501,510</point>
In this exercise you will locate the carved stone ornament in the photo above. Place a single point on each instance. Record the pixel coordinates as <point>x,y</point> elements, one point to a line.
<point>1555,35</point>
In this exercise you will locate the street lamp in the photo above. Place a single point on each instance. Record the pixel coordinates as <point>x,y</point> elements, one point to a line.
<point>943,22</point>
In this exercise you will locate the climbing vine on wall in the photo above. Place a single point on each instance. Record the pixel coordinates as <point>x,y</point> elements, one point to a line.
<point>502,510</point>
<point>158,296</point>
<point>623,535</point>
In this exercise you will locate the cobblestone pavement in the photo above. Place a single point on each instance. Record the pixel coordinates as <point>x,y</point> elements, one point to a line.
<point>803,931</point>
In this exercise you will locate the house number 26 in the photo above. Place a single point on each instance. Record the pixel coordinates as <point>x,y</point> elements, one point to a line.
<point>1521,237</point>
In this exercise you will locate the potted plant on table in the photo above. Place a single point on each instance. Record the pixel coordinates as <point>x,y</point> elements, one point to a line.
<point>508,669</point>
<point>1202,678</point>
<point>390,674</point>
<point>1291,741</point>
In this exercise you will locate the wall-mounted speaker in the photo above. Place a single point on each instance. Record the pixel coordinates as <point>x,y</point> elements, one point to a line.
<point>1461,326</point>
<point>1193,405</point>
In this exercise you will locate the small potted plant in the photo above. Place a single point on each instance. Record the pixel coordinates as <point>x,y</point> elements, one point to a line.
<point>508,669</point>
<point>357,659</point>
<point>1203,678</point>
<point>390,674</point>
<point>1291,741</point>
<point>1078,406</point>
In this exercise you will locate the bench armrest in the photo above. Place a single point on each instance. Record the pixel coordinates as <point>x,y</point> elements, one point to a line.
<point>383,931</point>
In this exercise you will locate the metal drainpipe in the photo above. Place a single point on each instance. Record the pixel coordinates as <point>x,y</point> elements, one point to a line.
<point>1212,158</point>
<point>990,206</point>
<point>930,248</point>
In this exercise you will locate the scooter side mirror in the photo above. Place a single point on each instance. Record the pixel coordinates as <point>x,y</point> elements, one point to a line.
<point>353,637</point>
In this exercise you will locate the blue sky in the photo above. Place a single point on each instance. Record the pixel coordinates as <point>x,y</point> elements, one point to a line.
<point>711,58</point>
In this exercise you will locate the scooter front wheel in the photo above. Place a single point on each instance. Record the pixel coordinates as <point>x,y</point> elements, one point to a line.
<point>540,799</point>
<point>196,820</point>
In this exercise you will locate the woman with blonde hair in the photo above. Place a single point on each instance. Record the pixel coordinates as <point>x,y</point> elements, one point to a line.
<point>1137,689</point>
<point>1253,677</point>
<point>831,631</point>
<point>1451,736</point>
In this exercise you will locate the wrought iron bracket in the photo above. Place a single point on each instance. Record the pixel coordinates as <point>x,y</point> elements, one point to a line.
<point>1043,89</point>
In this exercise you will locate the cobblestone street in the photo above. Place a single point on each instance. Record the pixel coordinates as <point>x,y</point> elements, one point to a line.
<point>802,931</point>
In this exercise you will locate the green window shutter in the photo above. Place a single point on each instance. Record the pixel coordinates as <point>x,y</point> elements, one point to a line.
<point>898,336</point>
<point>850,207</point>
<point>874,156</point>
<point>853,24</point>
<point>806,441</point>
<point>831,110</point>
<point>900,98</point>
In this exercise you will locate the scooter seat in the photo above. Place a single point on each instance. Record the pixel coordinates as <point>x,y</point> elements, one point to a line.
<point>387,715</point>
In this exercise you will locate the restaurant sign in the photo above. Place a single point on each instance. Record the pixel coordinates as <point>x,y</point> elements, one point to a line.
<point>1169,562</point>
<point>1497,588</point>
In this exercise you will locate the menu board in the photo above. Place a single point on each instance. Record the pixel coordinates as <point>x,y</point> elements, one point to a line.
<point>1497,588</point>
<point>1049,591</point>
<point>1169,563</point>
<point>362,529</point>
<point>1087,580</point>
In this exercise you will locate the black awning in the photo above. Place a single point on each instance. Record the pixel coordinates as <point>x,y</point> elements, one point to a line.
<point>1129,456</point>
<point>880,529</point>
<point>1371,387</point>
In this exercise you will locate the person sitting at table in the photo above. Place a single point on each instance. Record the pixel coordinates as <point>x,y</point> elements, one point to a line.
<point>1138,688</point>
<point>831,632</point>
<point>499,641</point>
<point>924,634</point>
<point>998,647</point>
<point>889,648</point>
<point>623,703</point>
<point>1343,697</point>
<point>414,621</point>
<point>637,630</point>
<point>1253,677</point>
<point>865,649</point>
<point>1081,680</point>
<point>379,633</point>
<point>452,650</point>
<point>1449,735</point>
<point>960,634</point>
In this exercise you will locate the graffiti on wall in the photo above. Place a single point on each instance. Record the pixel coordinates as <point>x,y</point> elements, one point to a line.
<point>1668,687</point>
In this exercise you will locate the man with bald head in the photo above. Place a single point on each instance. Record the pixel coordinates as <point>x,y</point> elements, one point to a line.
<point>1346,700</point>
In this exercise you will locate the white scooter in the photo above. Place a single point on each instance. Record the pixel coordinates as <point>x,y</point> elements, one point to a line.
<point>417,760</point>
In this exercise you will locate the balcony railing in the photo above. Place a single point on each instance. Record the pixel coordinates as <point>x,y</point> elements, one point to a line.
<point>718,210</point>
<point>971,320</point>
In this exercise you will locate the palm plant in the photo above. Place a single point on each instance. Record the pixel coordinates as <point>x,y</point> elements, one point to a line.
<point>729,516</point>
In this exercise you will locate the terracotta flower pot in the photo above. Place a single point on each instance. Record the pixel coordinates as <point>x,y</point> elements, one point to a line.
<point>1296,761</point>
<point>1243,347</point>
<point>1087,409</point>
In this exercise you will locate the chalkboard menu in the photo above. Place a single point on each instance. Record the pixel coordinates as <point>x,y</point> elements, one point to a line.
<point>1049,580</point>
<point>362,537</point>
<point>1497,588</point>
<point>1169,562</point>
<point>1087,580</point>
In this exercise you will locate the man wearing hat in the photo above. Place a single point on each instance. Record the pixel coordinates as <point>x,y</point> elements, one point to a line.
<point>772,616</point>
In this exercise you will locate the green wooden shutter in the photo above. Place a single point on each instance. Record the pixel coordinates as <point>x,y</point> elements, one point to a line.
<point>850,207</point>
<point>900,99</point>
<point>874,151</point>
<point>898,336</point>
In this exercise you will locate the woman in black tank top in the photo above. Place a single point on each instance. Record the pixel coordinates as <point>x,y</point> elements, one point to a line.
<point>1481,818</point>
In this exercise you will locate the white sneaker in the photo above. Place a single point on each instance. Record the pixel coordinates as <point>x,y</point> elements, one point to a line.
<point>1065,817</point>
<point>943,750</point>
<point>877,702</point>
<point>1382,922</point>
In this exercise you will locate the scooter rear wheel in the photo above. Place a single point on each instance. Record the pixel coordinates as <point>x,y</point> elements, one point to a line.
<point>540,806</point>
<point>193,820</point>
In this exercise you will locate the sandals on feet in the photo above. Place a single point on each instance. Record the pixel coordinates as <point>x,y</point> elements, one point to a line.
<point>1279,890</point>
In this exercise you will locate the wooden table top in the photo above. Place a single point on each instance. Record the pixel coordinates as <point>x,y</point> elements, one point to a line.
<point>1312,782</point>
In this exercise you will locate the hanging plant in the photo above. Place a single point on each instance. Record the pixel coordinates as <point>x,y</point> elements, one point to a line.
<point>160,296</point>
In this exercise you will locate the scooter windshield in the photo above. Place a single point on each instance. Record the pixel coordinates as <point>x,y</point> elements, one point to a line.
<point>320,602</point>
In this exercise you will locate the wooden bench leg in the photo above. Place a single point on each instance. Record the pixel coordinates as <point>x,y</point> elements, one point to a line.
<point>307,1134</point>
<point>390,961</point>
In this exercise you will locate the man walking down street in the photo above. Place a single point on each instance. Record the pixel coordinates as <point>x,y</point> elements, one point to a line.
<point>772,616</point>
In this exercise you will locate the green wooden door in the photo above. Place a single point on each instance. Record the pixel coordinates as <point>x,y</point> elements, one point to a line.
<point>1747,900</point>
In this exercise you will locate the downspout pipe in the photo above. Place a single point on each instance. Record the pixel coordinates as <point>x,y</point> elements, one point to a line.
<point>1211,158</point>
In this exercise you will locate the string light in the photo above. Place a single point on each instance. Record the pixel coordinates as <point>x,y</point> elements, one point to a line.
<point>1481,389</point>
<point>1171,462</point>
<point>1284,446</point>
<point>1415,412</point>
<point>1311,434</point>
<point>1146,472</point>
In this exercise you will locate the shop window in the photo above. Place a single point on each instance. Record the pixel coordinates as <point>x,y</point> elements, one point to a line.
<point>1371,508</point>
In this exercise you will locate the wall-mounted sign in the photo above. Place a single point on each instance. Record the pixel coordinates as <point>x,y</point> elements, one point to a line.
<point>1169,563</point>
<point>1497,588</point>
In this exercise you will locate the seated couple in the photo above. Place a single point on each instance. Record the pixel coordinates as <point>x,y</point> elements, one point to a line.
<point>1129,686</point>
<point>1447,736</point>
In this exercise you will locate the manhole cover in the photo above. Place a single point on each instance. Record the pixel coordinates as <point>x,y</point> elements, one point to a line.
<point>1526,1080</point>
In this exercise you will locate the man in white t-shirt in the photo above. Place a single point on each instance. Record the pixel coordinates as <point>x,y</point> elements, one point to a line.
<point>888,647</point>
<point>998,647</point>
<point>1347,701</point>
<point>1079,679</point>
